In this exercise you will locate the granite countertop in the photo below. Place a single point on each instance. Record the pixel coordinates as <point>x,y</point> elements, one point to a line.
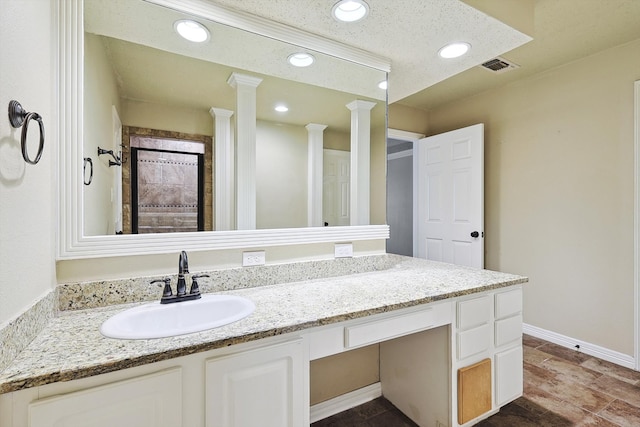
<point>71,346</point>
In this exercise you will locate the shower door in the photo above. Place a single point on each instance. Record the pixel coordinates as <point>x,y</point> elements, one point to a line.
<point>167,191</point>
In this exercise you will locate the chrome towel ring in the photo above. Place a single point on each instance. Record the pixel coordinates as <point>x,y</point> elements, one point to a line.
<point>19,117</point>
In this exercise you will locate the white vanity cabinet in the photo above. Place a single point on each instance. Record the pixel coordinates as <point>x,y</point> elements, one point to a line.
<point>147,401</point>
<point>265,387</point>
<point>488,326</point>
<point>265,382</point>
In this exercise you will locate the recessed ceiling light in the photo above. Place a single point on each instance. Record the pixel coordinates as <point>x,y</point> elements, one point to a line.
<point>350,10</point>
<point>383,85</point>
<point>192,30</point>
<point>281,108</point>
<point>301,59</point>
<point>454,50</point>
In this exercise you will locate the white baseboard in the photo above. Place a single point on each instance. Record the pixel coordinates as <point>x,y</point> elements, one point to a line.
<point>585,347</point>
<point>346,401</point>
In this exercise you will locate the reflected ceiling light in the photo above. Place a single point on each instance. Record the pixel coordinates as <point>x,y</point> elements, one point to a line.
<point>281,108</point>
<point>350,10</point>
<point>192,30</point>
<point>301,59</point>
<point>454,50</point>
<point>383,85</point>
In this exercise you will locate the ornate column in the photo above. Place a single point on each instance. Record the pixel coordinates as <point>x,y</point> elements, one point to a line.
<point>245,87</point>
<point>315,171</point>
<point>223,170</point>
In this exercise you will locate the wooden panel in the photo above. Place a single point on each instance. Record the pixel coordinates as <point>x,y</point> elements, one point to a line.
<point>474,391</point>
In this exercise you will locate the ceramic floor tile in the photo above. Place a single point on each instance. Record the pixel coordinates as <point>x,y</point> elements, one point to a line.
<point>533,342</point>
<point>564,353</point>
<point>621,413</point>
<point>535,356</point>
<point>619,389</point>
<point>570,372</point>
<point>613,370</point>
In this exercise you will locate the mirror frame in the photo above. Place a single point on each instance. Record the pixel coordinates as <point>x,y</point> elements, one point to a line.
<point>72,244</point>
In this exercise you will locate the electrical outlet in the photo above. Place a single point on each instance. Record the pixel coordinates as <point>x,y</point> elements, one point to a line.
<point>343,250</point>
<point>250,259</point>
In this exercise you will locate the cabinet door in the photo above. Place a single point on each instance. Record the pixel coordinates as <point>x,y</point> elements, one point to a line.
<point>509,376</point>
<point>266,387</point>
<point>150,401</point>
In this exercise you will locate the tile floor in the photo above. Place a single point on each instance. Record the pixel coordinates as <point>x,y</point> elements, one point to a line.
<point>562,387</point>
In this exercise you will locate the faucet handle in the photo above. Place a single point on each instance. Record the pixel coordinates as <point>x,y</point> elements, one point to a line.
<point>167,286</point>
<point>195,289</point>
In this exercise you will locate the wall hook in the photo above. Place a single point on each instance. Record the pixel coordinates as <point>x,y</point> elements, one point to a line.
<point>19,117</point>
<point>116,159</point>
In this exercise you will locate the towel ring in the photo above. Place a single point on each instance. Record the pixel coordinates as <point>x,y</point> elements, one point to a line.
<point>19,117</point>
<point>84,171</point>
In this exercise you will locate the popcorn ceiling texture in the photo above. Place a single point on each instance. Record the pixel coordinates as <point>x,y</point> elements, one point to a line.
<point>71,346</point>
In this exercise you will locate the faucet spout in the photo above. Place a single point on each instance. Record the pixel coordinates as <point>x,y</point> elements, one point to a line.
<point>183,263</point>
<point>183,268</point>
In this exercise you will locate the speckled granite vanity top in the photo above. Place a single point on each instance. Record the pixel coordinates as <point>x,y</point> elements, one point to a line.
<point>71,346</point>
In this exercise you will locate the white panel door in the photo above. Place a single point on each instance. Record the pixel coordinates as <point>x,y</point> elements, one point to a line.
<point>153,400</point>
<point>258,388</point>
<point>450,197</point>
<point>335,187</point>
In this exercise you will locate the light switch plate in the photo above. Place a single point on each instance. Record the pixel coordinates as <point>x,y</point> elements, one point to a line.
<point>250,259</point>
<point>343,250</point>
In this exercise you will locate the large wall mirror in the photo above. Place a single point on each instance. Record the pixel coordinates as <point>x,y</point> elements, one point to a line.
<point>162,120</point>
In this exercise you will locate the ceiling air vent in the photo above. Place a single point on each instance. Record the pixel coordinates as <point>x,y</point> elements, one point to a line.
<point>499,65</point>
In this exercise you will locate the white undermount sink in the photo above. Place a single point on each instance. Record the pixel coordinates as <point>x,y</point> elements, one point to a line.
<point>166,320</point>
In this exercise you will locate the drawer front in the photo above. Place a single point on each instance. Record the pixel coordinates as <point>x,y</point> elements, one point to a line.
<point>392,327</point>
<point>508,330</point>
<point>473,341</point>
<point>508,303</point>
<point>473,312</point>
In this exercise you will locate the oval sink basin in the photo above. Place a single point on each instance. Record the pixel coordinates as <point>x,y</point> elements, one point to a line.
<point>166,320</point>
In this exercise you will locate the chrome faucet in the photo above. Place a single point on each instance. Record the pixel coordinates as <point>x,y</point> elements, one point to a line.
<point>181,287</point>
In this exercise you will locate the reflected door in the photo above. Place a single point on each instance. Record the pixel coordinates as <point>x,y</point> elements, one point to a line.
<point>335,187</point>
<point>167,191</point>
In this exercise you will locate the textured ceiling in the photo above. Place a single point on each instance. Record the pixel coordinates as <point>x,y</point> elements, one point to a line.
<point>409,32</point>
<point>564,31</point>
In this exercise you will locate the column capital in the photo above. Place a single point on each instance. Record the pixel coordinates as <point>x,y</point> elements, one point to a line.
<point>359,104</point>
<point>220,112</point>
<point>237,79</point>
<point>315,127</point>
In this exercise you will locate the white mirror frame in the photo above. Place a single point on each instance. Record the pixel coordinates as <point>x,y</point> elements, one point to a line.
<point>72,244</point>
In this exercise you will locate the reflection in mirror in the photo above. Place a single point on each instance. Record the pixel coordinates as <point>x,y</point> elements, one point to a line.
<point>139,74</point>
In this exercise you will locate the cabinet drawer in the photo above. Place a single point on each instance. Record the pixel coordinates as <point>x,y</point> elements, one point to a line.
<point>508,330</point>
<point>473,341</point>
<point>508,303</point>
<point>397,326</point>
<point>473,312</point>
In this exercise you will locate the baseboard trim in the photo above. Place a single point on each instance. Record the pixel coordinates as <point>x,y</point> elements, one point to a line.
<point>585,347</point>
<point>343,402</point>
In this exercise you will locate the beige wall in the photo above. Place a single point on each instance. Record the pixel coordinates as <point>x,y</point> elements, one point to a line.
<point>559,192</point>
<point>281,175</point>
<point>101,93</point>
<point>27,192</point>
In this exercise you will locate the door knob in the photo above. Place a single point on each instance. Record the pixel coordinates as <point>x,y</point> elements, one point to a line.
<point>475,234</point>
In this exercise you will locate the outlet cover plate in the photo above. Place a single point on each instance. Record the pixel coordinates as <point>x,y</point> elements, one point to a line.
<point>343,250</point>
<point>249,259</point>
